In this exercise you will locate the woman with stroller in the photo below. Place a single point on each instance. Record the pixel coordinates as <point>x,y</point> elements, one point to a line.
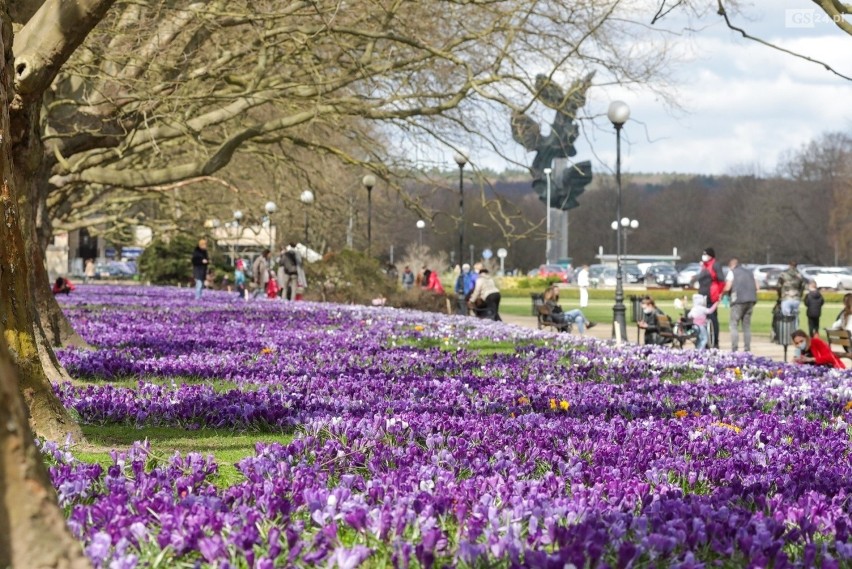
<point>576,316</point>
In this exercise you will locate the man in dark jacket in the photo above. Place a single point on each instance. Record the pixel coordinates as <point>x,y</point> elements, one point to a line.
<point>711,283</point>
<point>200,262</point>
<point>742,287</point>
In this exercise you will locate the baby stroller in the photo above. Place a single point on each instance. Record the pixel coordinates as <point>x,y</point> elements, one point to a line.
<point>685,330</point>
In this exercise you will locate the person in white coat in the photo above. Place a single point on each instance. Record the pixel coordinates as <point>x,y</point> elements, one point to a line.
<point>583,282</point>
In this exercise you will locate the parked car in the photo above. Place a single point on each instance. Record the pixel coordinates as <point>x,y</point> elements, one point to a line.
<point>607,277</point>
<point>114,270</point>
<point>595,274</point>
<point>770,280</point>
<point>687,273</point>
<point>632,273</point>
<point>661,275</point>
<point>547,271</point>
<point>761,271</point>
<point>837,278</point>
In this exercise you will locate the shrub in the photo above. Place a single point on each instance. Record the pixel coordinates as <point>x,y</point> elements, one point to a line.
<point>170,262</point>
<point>347,277</point>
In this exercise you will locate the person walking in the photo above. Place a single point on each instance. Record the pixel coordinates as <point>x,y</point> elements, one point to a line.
<point>89,271</point>
<point>407,278</point>
<point>463,289</point>
<point>487,292</point>
<point>288,271</point>
<point>200,263</point>
<point>260,273</point>
<point>240,279</point>
<point>792,285</point>
<point>711,283</point>
<point>741,286</point>
<point>813,307</point>
<point>583,282</point>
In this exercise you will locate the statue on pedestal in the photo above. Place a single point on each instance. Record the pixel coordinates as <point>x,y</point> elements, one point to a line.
<point>559,143</point>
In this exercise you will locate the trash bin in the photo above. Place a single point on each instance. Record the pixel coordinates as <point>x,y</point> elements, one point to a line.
<point>784,328</point>
<point>537,300</point>
<point>635,307</point>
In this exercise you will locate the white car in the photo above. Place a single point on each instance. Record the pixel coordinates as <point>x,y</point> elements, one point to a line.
<point>686,274</point>
<point>760,273</point>
<point>837,278</point>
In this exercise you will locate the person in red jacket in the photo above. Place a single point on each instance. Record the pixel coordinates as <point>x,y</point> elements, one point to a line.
<point>814,351</point>
<point>62,286</point>
<point>711,283</point>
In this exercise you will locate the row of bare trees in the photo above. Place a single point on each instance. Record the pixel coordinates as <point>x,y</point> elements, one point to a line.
<point>121,112</point>
<point>799,212</point>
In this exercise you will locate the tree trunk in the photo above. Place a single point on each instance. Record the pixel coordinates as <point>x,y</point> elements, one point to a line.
<point>33,533</point>
<point>31,354</point>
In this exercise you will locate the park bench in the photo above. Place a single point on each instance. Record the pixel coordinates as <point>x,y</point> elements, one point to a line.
<point>672,335</point>
<point>839,339</point>
<point>544,316</point>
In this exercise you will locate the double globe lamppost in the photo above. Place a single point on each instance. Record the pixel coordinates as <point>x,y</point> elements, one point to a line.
<point>618,114</point>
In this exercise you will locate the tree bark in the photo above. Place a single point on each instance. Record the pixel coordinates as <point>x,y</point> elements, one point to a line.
<point>32,355</point>
<point>33,533</point>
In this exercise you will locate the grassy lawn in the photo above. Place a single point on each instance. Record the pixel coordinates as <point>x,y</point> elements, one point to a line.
<point>227,446</point>
<point>600,310</point>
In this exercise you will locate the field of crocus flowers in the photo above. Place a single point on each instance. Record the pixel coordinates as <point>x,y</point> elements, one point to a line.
<point>423,440</point>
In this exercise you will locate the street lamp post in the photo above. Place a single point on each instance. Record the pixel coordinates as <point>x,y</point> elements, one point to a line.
<point>238,216</point>
<point>420,225</point>
<point>306,198</point>
<point>270,208</point>
<point>461,160</point>
<point>618,114</point>
<point>632,225</point>
<point>627,225</point>
<point>547,172</point>
<point>369,181</point>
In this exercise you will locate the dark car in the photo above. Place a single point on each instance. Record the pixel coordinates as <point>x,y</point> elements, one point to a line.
<point>632,273</point>
<point>661,275</point>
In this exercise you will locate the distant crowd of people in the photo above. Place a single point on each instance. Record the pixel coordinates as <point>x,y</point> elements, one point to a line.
<point>739,287</point>
<point>285,280</point>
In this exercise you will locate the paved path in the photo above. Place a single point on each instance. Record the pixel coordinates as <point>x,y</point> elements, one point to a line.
<point>760,344</point>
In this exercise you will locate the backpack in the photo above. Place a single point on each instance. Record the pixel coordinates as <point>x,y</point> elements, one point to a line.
<point>288,261</point>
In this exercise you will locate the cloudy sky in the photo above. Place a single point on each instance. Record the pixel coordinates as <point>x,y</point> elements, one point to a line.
<point>743,104</point>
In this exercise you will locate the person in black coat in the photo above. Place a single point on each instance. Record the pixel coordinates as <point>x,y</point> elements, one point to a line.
<point>813,302</point>
<point>200,262</point>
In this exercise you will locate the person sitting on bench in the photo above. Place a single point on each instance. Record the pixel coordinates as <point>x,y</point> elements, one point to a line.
<point>649,322</point>
<point>551,300</point>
